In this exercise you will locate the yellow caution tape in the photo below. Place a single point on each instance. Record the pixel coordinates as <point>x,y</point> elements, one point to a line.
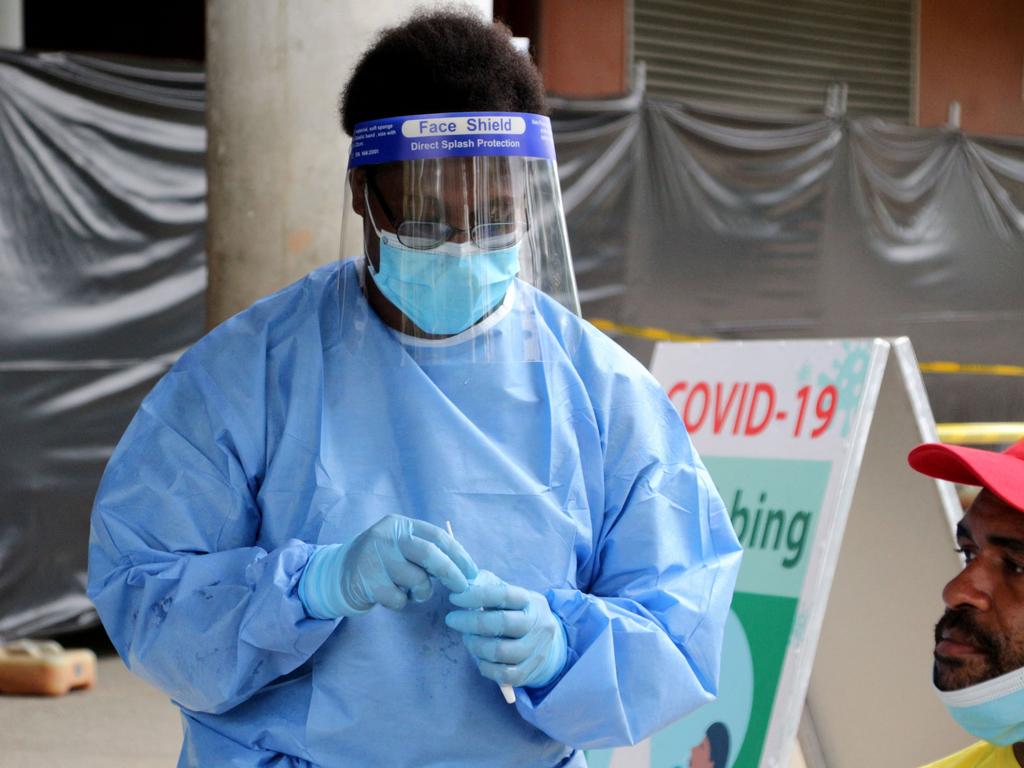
<point>939,366</point>
<point>972,368</point>
<point>981,433</point>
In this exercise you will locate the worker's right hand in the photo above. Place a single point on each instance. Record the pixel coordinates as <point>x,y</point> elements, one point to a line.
<point>390,562</point>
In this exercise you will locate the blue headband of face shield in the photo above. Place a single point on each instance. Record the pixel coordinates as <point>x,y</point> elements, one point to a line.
<point>993,710</point>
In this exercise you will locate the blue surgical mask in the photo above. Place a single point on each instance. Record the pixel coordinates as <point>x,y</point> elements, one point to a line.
<point>447,289</point>
<point>993,710</point>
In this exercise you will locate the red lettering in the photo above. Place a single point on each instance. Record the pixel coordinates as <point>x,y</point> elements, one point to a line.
<point>739,412</point>
<point>694,424</point>
<point>759,390</point>
<point>722,413</point>
<point>677,388</point>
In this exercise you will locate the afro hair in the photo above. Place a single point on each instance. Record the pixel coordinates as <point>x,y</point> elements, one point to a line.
<point>441,61</point>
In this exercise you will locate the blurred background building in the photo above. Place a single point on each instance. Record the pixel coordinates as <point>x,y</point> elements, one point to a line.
<point>904,60</point>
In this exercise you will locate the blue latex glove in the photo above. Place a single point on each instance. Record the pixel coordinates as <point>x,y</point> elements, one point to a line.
<point>388,563</point>
<point>511,632</point>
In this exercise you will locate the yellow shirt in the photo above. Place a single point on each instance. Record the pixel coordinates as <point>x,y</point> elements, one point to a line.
<point>980,755</point>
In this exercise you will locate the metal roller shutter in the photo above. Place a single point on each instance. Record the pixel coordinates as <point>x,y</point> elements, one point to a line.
<point>779,54</point>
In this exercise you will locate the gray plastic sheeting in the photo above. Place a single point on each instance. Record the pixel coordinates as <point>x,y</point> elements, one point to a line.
<point>683,218</point>
<point>102,272</point>
<point>704,222</point>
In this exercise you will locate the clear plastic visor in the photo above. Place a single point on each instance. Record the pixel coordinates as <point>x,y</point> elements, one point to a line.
<point>462,257</point>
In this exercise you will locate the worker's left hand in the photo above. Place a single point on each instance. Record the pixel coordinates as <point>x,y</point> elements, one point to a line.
<point>511,632</point>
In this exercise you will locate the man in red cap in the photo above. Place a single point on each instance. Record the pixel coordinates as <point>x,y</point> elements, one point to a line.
<point>979,641</point>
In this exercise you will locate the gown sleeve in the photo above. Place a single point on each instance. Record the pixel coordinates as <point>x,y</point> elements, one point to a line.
<point>191,602</point>
<point>645,628</point>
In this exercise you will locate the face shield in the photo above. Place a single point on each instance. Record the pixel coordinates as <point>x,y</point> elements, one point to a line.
<point>464,251</point>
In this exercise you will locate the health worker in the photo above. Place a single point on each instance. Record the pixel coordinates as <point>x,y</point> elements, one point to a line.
<point>270,543</point>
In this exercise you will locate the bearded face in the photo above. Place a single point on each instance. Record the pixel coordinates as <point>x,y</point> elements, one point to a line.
<point>981,634</point>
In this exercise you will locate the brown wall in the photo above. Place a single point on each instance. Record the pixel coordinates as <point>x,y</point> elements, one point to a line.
<point>972,51</point>
<point>581,47</point>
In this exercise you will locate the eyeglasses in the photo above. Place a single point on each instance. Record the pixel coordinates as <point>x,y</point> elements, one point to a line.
<point>425,235</point>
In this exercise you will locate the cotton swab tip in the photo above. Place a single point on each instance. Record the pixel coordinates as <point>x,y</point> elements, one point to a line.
<point>506,690</point>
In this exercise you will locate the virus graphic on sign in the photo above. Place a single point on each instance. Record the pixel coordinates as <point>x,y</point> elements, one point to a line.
<point>848,379</point>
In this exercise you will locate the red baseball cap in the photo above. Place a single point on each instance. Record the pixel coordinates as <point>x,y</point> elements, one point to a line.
<point>1001,473</point>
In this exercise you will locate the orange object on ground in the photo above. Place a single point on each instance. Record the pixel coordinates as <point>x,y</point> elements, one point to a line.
<point>44,667</point>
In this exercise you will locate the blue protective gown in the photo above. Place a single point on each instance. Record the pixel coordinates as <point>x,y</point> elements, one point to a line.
<point>300,423</point>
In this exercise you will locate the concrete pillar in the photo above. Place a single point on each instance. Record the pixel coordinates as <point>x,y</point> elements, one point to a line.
<point>12,24</point>
<point>276,153</point>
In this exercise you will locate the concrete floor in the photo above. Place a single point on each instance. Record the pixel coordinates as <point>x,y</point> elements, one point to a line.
<point>120,723</point>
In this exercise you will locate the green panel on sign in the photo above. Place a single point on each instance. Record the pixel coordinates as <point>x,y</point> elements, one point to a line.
<point>754,650</point>
<point>774,505</point>
<point>768,622</point>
